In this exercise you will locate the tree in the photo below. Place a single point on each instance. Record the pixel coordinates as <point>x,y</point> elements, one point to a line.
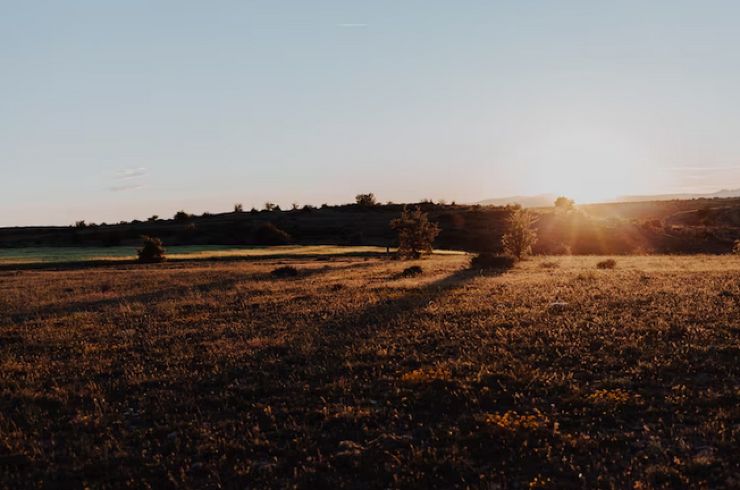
<point>271,206</point>
<point>519,236</point>
<point>415,233</point>
<point>152,251</point>
<point>153,217</point>
<point>181,216</point>
<point>564,204</point>
<point>366,200</point>
<point>238,208</point>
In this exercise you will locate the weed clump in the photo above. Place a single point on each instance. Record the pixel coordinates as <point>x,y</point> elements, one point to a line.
<point>488,261</point>
<point>152,251</point>
<point>607,264</point>
<point>412,271</point>
<point>285,271</point>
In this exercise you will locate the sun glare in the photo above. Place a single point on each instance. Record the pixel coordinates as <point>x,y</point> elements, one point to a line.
<point>588,165</point>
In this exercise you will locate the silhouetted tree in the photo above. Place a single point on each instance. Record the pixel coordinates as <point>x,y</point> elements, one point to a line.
<point>238,208</point>
<point>519,237</point>
<point>152,251</point>
<point>80,224</point>
<point>153,217</point>
<point>366,200</point>
<point>181,216</point>
<point>271,206</point>
<point>416,233</point>
<point>564,204</point>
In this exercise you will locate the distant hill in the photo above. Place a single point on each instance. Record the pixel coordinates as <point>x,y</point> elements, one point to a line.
<point>544,200</point>
<point>672,197</point>
<point>537,201</point>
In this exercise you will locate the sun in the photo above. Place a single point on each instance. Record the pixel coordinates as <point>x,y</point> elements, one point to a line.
<point>588,165</point>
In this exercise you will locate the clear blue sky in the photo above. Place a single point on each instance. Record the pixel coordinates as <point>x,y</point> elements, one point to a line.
<point>119,110</point>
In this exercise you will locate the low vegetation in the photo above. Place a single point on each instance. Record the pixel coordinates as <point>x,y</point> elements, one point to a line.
<point>152,251</point>
<point>606,264</point>
<point>485,261</point>
<point>285,271</point>
<point>214,374</point>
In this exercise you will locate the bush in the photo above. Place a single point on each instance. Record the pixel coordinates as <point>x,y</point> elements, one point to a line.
<point>182,216</point>
<point>285,271</point>
<point>238,208</point>
<point>491,261</point>
<point>412,271</point>
<point>607,264</point>
<point>269,234</point>
<point>415,233</point>
<point>152,251</point>
<point>519,236</point>
<point>366,200</point>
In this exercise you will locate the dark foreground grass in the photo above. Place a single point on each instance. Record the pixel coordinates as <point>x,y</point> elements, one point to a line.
<point>352,376</point>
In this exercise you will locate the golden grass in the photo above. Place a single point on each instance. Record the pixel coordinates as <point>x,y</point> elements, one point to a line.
<point>214,374</point>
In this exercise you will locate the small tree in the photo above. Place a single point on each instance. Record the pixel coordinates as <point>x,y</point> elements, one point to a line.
<point>238,208</point>
<point>271,206</point>
<point>181,216</point>
<point>562,203</point>
<point>415,233</point>
<point>519,236</point>
<point>152,251</point>
<point>366,200</point>
<point>152,218</point>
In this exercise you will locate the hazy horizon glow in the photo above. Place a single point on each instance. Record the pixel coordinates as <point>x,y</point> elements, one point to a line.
<point>120,110</point>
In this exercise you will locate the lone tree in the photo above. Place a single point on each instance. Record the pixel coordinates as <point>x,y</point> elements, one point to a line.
<point>564,204</point>
<point>415,233</point>
<point>519,236</point>
<point>366,200</point>
<point>152,251</point>
<point>238,208</point>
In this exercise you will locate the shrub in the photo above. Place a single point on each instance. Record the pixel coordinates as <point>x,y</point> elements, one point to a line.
<point>519,236</point>
<point>181,216</point>
<point>607,264</point>
<point>492,261</point>
<point>415,233</point>
<point>285,271</point>
<point>271,207</point>
<point>564,204</point>
<point>238,208</point>
<point>366,200</point>
<point>152,251</point>
<point>269,234</point>
<point>152,218</point>
<point>412,271</point>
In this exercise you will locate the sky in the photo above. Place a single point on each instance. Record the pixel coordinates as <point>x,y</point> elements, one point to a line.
<point>119,110</point>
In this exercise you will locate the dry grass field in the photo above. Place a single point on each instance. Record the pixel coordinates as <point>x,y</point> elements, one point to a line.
<point>554,374</point>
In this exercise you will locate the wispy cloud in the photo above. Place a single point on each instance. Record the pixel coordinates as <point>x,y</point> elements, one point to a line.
<point>701,169</point>
<point>130,173</point>
<point>125,187</point>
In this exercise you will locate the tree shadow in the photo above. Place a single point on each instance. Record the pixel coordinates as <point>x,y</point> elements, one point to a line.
<point>154,297</point>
